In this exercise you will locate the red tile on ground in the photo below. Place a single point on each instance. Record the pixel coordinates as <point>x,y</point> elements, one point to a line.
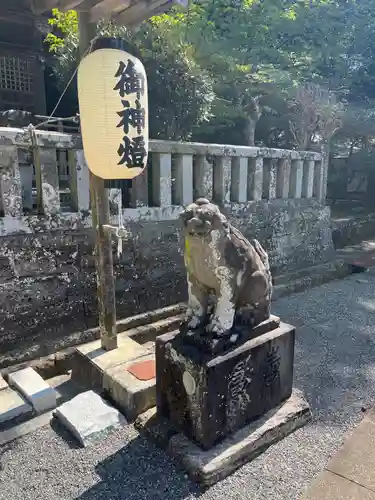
<point>143,370</point>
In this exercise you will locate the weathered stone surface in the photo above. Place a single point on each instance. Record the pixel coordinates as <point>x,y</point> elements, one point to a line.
<point>132,396</point>
<point>48,283</point>
<point>12,405</point>
<point>229,279</point>
<point>199,338</point>
<point>210,466</point>
<point>209,397</point>
<point>88,417</point>
<point>92,362</point>
<point>329,486</point>
<point>36,391</point>
<point>127,350</point>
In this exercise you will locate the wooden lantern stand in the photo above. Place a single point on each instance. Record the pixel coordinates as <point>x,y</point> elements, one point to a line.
<point>100,218</point>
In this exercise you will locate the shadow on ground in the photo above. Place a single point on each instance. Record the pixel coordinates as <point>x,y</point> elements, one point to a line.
<point>143,472</point>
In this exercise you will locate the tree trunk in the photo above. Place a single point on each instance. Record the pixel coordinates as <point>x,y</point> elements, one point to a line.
<point>250,131</point>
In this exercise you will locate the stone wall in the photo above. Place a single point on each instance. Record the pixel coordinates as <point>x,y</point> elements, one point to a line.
<point>353,229</point>
<point>47,278</point>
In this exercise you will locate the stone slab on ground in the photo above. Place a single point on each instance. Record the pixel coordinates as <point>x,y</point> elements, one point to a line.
<point>210,466</point>
<point>330,486</point>
<point>88,417</point>
<point>350,474</point>
<point>132,396</point>
<point>35,390</point>
<point>3,383</point>
<point>355,460</point>
<point>12,405</point>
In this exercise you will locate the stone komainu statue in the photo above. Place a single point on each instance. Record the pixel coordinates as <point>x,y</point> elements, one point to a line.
<point>229,279</point>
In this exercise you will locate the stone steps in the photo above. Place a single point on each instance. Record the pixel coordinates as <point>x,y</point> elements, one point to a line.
<point>23,395</point>
<point>27,423</point>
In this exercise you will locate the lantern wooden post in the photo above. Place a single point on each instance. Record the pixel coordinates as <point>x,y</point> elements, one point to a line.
<point>100,218</point>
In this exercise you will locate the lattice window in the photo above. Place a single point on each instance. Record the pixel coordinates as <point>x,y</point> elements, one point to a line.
<point>16,74</point>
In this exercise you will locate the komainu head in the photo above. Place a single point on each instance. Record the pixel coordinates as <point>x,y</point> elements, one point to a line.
<point>202,217</point>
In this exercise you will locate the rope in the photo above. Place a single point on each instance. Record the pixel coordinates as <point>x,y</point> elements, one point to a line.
<point>50,118</point>
<point>31,129</point>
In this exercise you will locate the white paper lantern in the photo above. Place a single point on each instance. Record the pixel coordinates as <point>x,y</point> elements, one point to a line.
<point>113,103</point>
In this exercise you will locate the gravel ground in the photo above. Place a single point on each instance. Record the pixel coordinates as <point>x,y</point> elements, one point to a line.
<point>335,367</point>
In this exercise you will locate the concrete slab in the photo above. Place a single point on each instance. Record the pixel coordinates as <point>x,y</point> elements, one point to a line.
<point>36,391</point>
<point>89,417</point>
<point>209,467</point>
<point>92,361</point>
<point>132,396</point>
<point>355,460</point>
<point>329,486</point>
<point>3,383</point>
<point>12,405</point>
<point>127,349</point>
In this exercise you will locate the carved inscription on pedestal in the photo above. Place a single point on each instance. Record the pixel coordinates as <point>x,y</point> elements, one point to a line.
<point>271,367</point>
<point>238,397</point>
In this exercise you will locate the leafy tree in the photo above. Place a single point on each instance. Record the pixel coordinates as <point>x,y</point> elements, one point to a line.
<point>180,91</point>
<point>249,71</point>
<point>314,116</point>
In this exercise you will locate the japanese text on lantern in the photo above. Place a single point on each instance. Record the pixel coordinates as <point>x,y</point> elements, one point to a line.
<point>132,150</point>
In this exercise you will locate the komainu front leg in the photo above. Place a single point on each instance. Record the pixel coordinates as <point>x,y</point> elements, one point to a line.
<point>222,320</point>
<point>197,304</point>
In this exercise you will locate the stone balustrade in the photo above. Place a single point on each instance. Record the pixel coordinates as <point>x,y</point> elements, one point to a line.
<point>177,174</point>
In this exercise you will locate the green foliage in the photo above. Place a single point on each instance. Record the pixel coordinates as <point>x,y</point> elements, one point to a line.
<point>180,91</point>
<point>286,73</point>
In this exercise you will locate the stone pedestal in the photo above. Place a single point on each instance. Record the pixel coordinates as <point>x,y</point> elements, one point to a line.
<point>210,396</point>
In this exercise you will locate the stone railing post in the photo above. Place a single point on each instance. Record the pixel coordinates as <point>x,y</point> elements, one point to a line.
<point>283,178</point>
<point>27,175</point>
<point>269,178</point>
<point>162,179</point>
<point>324,167</point>
<point>318,190</point>
<point>47,180</point>
<point>255,179</point>
<point>10,182</point>
<point>182,184</point>
<point>239,179</point>
<point>308,178</point>
<point>222,179</point>
<point>203,177</point>
<point>139,192</point>
<point>79,180</point>
<point>295,188</point>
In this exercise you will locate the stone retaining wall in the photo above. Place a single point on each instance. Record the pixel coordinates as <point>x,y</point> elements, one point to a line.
<point>47,279</point>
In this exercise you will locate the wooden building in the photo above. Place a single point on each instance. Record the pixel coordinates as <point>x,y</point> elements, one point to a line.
<point>21,63</point>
